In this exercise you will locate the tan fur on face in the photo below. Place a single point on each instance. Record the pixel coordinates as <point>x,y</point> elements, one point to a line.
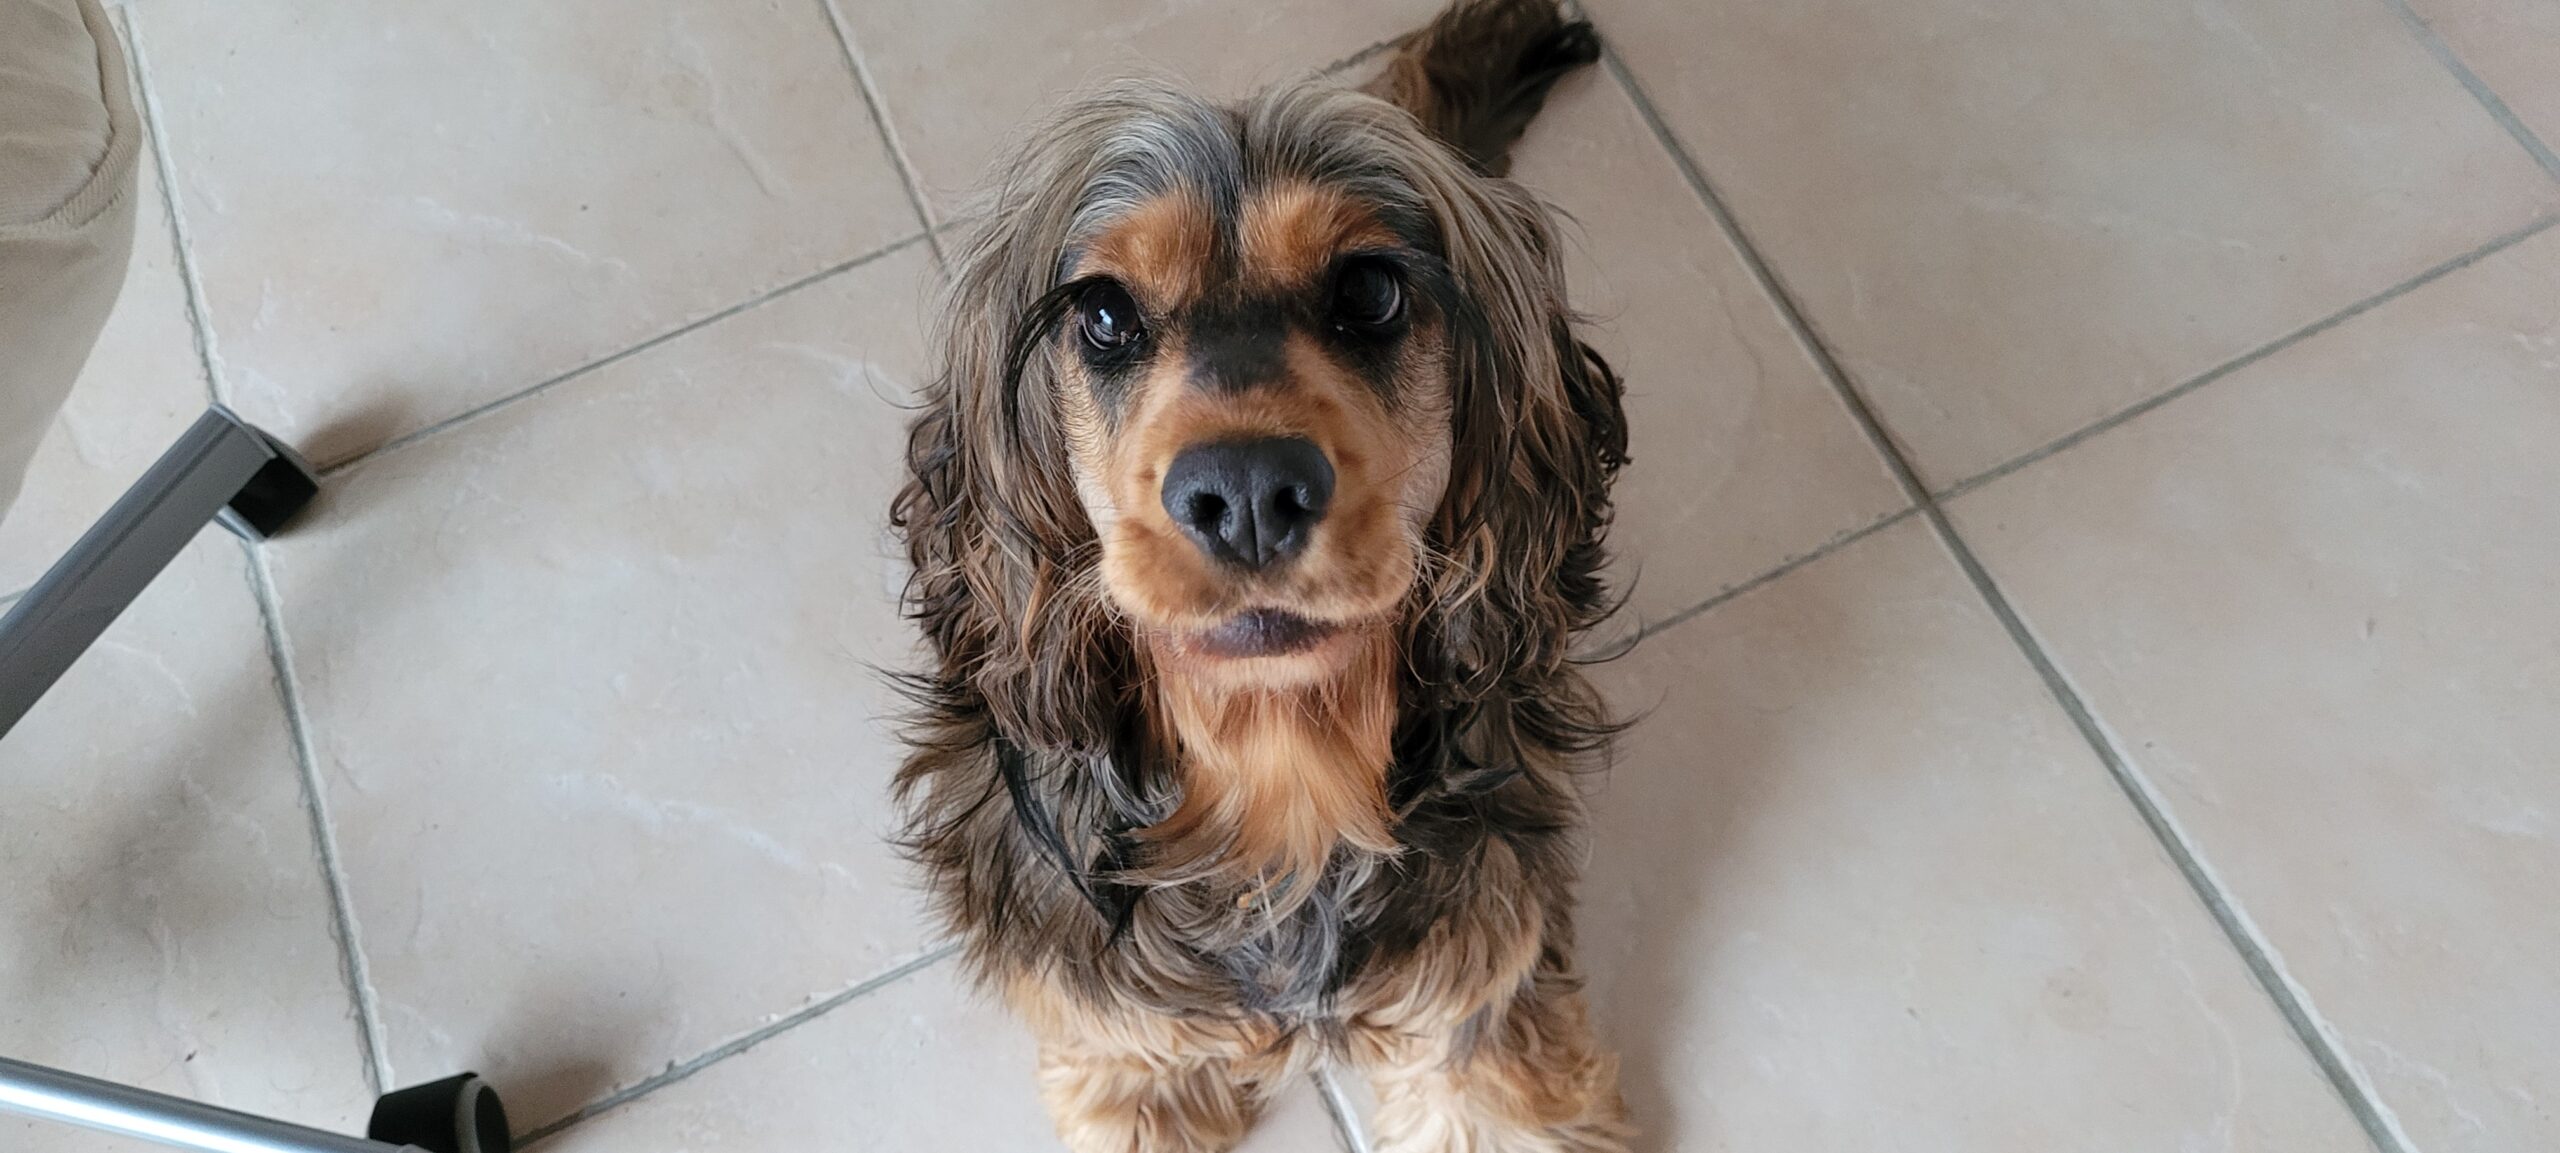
<point>1293,231</point>
<point>1389,467</point>
<point>1160,250</point>
<point>1361,559</point>
<point>1284,757</point>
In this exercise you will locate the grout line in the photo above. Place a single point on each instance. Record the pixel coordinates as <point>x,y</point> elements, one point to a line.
<point>682,1070</point>
<point>2325,1048</point>
<point>2480,90</point>
<point>1767,279</point>
<point>1791,564</point>
<point>351,960</point>
<point>324,836</point>
<point>687,328</point>
<point>200,319</point>
<point>1337,1105</point>
<point>889,139</point>
<point>2260,957</point>
<point>1362,56</point>
<point>2253,356</point>
<point>2328,1051</point>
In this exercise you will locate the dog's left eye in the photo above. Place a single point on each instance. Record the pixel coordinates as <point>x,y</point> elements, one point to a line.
<point>1110,319</point>
<point>1368,295</point>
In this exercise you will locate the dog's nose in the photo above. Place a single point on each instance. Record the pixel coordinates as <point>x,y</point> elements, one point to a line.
<point>1252,502</point>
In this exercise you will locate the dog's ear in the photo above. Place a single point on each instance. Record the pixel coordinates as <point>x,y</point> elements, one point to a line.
<point>1596,396</point>
<point>1537,433</point>
<point>989,510</point>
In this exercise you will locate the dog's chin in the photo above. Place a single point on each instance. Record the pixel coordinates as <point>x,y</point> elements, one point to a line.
<point>1265,647</point>
<point>1257,633</point>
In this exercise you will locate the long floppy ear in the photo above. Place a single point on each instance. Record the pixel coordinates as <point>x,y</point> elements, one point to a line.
<point>1537,433</point>
<point>1002,554</point>
<point>995,535</point>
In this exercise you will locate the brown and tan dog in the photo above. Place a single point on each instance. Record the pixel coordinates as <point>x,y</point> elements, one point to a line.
<point>1254,509</point>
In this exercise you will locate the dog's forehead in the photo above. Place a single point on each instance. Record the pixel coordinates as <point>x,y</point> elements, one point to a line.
<point>1177,245</point>
<point>1290,233</point>
<point>1165,247</point>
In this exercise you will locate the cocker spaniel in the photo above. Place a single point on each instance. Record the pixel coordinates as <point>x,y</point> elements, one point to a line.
<point>1253,510</point>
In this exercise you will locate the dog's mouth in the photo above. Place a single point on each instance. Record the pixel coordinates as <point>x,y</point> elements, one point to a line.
<point>1261,633</point>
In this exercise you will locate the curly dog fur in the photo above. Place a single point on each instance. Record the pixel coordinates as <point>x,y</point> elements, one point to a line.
<point>1194,867</point>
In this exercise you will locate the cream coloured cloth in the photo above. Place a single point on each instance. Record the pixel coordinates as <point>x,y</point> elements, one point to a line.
<point>68,142</point>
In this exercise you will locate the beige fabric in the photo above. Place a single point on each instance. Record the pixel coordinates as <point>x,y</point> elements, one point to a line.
<point>68,141</point>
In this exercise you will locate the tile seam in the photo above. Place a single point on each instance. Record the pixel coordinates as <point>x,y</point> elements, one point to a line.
<point>2140,408</point>
<point>1359,58</point>
<point>683,1070</point>
<point>181,236</point>
<point>2488,98</point>
<point>2311,1030</point>
<point>891,141</point>
<point>1772,574</point>
<point>1338,1108</point>
<point>354,967</point>
<point>2265,963</point>
<point>469,416</point>
<point>1765,277</point>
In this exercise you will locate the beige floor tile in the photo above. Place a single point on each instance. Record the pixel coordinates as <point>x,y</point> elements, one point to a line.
<point>402,211</point>
<point>921,1065</point>
<point>2013,221</point>
<point>594,682</point>
<point>1744,456</point>
<point>143,385</point>
<point>2512,45</point>
<point>1857,884</point>
<point>2316,601</point>
<point>960,78</point>
<point>163,921</point>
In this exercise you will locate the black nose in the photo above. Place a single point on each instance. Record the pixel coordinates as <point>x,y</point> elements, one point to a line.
<point>1252,502</point>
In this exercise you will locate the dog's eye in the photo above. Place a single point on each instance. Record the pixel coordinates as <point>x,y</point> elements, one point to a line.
<point>1368,295</point>
<point>1110,319</point>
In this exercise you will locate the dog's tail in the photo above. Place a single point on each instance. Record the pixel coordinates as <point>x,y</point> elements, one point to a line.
<point>1478,73</point>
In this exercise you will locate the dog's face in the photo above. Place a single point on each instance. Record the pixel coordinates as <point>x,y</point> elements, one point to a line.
<point>1269,390</point>
<point>1256,402</point>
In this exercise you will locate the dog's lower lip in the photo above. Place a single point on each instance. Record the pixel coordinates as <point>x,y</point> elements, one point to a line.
<point>1262,633</point>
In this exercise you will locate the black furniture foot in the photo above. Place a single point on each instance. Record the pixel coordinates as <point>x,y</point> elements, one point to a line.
<point>273,495</point>
<point>459,1114</point>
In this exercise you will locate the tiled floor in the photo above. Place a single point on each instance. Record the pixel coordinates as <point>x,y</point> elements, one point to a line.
<point>2095,518</point>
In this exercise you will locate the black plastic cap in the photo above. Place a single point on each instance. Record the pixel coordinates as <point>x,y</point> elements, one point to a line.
<point>264,506</point>
<point>459,1114</point>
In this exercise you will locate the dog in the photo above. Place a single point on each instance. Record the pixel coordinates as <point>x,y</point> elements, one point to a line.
<point>1255,506</point>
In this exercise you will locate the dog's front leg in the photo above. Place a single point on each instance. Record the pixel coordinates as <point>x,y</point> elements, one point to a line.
<point>1164,1103</point>
<point>1521,1076</point>
<point>1130,1081</point>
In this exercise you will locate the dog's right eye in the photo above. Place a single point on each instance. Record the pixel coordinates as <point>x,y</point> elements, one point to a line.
<point>1368,296</point>
<point>1109,318</point>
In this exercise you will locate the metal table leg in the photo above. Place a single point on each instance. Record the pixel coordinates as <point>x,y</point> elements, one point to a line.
<point>52,1095</point>
<point>223,469</point>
